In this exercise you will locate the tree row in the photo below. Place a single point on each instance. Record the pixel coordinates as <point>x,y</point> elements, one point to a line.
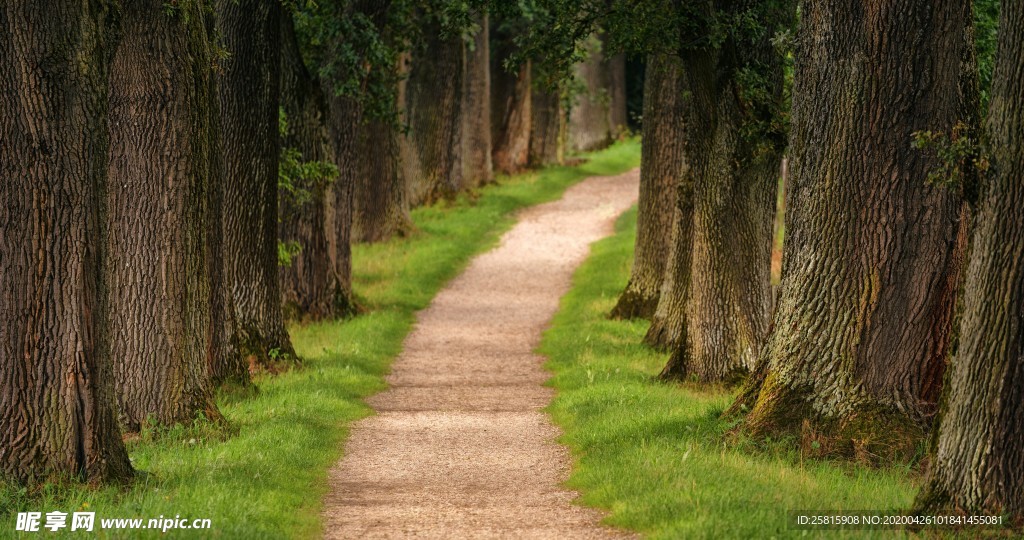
<point>898,323</point>
<point>182,178</point>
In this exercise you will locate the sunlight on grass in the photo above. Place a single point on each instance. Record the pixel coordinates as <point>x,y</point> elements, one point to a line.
<point>652,453</point>
<point>267,476</point>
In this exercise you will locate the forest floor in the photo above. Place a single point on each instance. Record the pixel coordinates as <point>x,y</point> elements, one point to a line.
<point>460,445</point>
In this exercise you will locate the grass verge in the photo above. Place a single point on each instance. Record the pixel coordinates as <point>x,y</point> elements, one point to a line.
<point>652,453</point>
<point>268,478</point>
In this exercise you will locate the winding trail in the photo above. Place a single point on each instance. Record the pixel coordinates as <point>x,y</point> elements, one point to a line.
<point>460,447</point>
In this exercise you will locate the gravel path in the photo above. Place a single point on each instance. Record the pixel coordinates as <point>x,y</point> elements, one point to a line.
<point>460,447</point>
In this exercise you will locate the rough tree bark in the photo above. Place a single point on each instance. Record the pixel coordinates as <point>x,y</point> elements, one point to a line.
<point>57,403</point>
<point>431,151</point>
<point>978,458</point>
<point>668,325</point>
<point>734,159</point>
<point>547,126</point>
<point>249,99</point>
<point>344,127</point>
<point>511,94</point>
<point>589,121</point>
<point>317,283</point>
<point>163,169</point>
<point>661,167</point>
<point>369,201</point>
<point>477,167</point>
<point>860,334</point>
<point>229,366</point>
<point>380,202</point>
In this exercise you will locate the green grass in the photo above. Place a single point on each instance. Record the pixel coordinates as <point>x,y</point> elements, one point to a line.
<point>652,453</point>
<point>267,480</point>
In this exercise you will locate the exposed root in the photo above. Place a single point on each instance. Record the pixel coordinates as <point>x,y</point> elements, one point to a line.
<point>871,435</point>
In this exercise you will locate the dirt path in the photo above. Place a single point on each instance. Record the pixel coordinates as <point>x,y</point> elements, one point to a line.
<point>460,447</point>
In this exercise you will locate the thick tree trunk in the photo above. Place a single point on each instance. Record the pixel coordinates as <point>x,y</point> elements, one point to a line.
<point>978,455</point>
<point>369,149</point>
<point>57,403</point>
<point>547,123</point>
<point>668,325</point>
<point>431,151</point>
<point>229,366</point>
<point>344,128</point>
<point>734,163</point>
<point>511,94</point>
<point>870,269</point>
<point>730,292</point>
<point>311,286</point>
<point>589,122</point>
<point>372,186</point>
<point>661,167</point>
<point>249,99</point>
<point>163,129</point>
<point>477,168</point>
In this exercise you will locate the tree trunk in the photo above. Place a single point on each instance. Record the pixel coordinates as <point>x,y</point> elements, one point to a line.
<point>734,159</point>
<point>511,94</point>
<point>978,460</point>
<point>344,128</point>
<point>57,417</point>
<point>250,99</point>
<point>668,325</point>
<point>380,202</point>
<point>311,286</point>
<point>870,267</point>
<point>372,186</point>
<point>163,130</point>
<point>477,168</point>
<point>431,150</point>
<point>661,166</point>
<point>617,94</point>
<point>589,122</point>
<point>546,128</point>
<point>229,366</point>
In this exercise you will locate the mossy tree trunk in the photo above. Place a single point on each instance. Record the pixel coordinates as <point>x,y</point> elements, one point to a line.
<point>161,227</point>
<point>317,282</point>
<point>661,168</point>
<point>477,167</point>
<point>431,151</point>
<point>511,94</point>
<point>250,99</point>
<point>58,417</point>
<point>978,459</point>
<point>870,271</point>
